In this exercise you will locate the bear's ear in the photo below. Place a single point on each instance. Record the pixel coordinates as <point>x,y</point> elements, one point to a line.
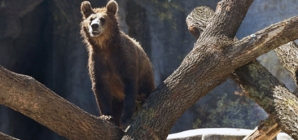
<point>112,7</point>
<point>86,9</point>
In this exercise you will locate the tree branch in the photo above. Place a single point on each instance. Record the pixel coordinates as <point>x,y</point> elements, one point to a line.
<point>269,129</point>
<point>272,96</point>
<point>263,41</point>
<point>6,137</point>
<point>288,56</point>
<point>31,98</point>
<point>198,19</point>
<point>195,77</point>
<point>258,73</point>
<point>206,66</point>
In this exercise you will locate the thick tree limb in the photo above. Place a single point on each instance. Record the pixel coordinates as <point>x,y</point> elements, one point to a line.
<point>288,56</point>
<point>272,96</point>
<point>196,22</point>
<point>277,92</point>
<point>269,129</point>
<point>29,97</point>
<point>206,66</point>
<point>196,76</point>
<point>6,137</point>
<point>198,19</point>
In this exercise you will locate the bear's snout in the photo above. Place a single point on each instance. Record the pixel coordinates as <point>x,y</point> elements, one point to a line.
<point>95,26</point>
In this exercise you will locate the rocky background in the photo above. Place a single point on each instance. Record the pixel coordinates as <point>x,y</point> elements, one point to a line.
<point>41,38</point>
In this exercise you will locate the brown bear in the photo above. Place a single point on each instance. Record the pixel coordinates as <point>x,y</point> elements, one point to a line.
<point>120,71</point>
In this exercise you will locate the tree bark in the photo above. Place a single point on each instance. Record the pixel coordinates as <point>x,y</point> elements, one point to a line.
<point>189,83</point>
<point>288,56</point>
<point>31,98</point>
<point>269,128</point>
<point>197,21</point>
<point>6,137</point>
<point>272,96</point>
<point>206,66</point>
<point>212,60</point>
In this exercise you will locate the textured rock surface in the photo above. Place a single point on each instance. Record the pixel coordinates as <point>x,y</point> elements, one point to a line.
<point>41,38</point>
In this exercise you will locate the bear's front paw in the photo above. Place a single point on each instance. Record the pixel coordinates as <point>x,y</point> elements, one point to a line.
<point>107,118</point>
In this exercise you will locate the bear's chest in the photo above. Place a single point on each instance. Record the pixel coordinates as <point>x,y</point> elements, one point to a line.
<point>107,62</point>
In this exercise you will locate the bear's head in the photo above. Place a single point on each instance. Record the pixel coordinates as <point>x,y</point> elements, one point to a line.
<point>99,21</point>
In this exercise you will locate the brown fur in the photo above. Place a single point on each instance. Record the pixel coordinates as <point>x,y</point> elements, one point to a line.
<point>118,66</point>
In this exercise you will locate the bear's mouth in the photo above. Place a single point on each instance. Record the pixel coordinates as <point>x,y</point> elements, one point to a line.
<point>95,33</point>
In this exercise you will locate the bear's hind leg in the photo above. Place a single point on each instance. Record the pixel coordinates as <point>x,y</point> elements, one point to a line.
<point>117,107</point>
<point>129,105</point>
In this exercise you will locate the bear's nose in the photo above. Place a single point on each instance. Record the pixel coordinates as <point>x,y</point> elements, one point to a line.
<point>94,26</point>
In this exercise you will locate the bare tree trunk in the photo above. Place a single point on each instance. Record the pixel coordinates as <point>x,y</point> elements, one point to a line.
<point>212,60</point>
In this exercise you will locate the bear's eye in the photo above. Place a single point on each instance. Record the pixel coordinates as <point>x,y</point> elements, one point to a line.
<point>102,20</point>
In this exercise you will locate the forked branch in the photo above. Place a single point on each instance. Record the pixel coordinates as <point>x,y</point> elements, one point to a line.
<point>269,129</point>
<point>31,98</point>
